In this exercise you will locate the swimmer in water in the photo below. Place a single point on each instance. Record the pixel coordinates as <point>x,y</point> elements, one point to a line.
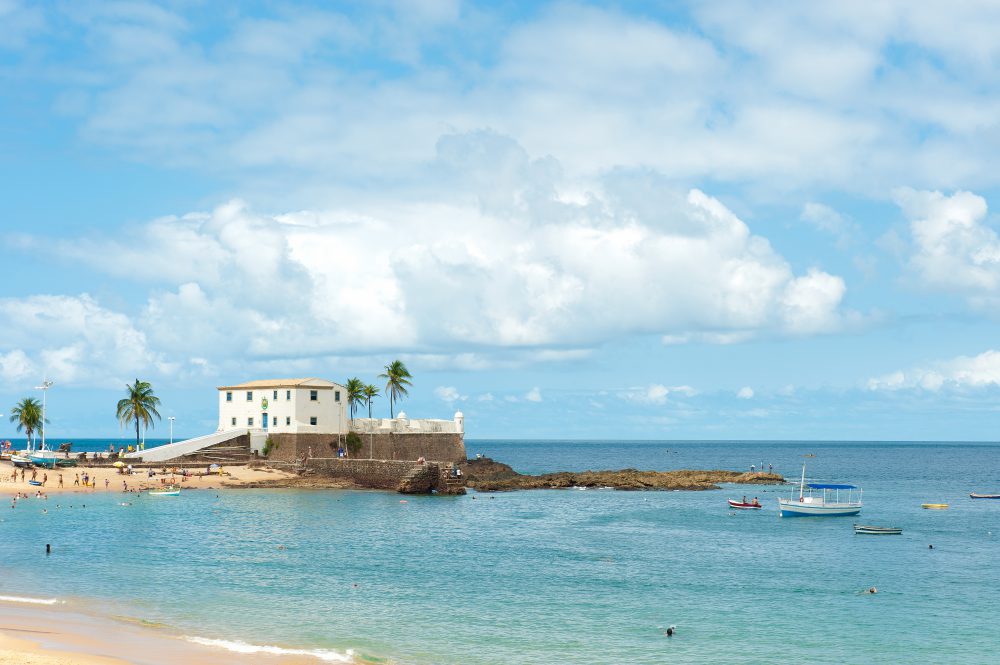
<point>873,590</point>
<point>669,632</point>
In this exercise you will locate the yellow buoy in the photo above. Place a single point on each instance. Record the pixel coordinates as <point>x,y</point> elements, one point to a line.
<point>934,506</point>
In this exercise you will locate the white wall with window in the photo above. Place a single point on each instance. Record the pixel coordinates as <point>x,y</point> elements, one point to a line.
<point>284,406</point>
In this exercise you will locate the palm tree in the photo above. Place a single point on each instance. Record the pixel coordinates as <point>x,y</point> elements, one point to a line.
<point>370,392</point>
<point>28,415</point>
<point>355,394</point>
<point>397,379</point>
<point>140,405</point>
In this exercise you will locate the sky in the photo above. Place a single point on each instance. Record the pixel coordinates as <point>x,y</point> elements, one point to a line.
<point>634,220</point>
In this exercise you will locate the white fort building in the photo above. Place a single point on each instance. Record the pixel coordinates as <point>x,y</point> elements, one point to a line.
<point>285,406</point>
<point>310,418</point>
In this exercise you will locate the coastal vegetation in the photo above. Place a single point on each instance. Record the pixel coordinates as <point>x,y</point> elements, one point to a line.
<point>27,414</point>
<point>397,380</point>
<point>269,445</point>
<point>355,394</point>
<point>354,443</point>
<point>370,393</point>
<point>139,405</point>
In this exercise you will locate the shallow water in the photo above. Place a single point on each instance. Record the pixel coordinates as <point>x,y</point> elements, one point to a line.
<point>550,576</point>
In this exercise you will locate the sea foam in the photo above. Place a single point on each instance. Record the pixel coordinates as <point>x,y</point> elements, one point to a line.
<point>327,655</point>
<point>33,601</point>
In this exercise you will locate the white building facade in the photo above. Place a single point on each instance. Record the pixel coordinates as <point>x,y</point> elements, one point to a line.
<point>285,406</point>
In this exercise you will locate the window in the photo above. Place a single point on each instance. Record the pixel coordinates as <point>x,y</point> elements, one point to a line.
<point>336,396</point>
<point>275,394</point>
<point>229,396</point>
<point>249,395</point>
<point>288,394</point>
<point>313,395</point>
<point>249,422</point>
<point>234,421</point>
<point>312,420</point>
<point>288,420</point>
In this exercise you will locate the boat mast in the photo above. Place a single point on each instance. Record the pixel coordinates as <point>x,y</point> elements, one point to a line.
<point>46,384</point>
<point>802,483</point>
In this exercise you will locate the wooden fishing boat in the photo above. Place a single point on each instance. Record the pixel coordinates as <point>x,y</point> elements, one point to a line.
<point>934,506</point>
<point>741,505</point>
<point>973,495</point>
<point>867,529</point>
<point>169,490</point>
<point>21,461</point>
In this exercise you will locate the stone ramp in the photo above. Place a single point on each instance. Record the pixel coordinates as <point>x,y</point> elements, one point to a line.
<point>228,447</point>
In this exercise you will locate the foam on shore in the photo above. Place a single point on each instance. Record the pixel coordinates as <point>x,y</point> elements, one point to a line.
<point>326,655</point>
<point>32,601</point>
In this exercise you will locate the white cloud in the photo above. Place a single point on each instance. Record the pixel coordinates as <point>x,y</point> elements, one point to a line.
<point>953,248</point>
<point>449,394</point>
<point>970,372</point>
<point>655,393</point>
<point>485,397</point>
<point>533,395</point>
<point>797,96</point>
<point>518,270</point>
<point>830,221</point>
<point>72,340</point>
<point>746,392</point>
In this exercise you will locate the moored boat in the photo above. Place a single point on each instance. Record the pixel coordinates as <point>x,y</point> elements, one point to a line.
<point>973,495</point>
<point>744,505</point>
<point>169,490</point>
<point>934,506</point>
<point>821,500</point>
<point>867,529</point>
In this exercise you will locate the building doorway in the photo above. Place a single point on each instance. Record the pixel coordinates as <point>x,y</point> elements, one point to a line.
<point>263,419</point>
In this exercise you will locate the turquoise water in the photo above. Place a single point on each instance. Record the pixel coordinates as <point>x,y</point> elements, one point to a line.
<point>551,576</point>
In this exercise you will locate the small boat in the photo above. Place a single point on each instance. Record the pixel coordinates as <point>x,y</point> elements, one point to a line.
<point>865,529</point>
<point>36,483</point>
<point>934,506</point>
<point>973,495</point>
<point>21,461</point>
<point>826,503</point>
<point>169,490</point>
<point>744,505</point>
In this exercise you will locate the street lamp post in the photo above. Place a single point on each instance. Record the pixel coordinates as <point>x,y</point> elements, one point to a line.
<point>171,419</point>
<point>46,384</point>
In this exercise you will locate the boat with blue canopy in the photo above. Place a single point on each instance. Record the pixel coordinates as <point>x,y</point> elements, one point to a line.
<point>821,499</point>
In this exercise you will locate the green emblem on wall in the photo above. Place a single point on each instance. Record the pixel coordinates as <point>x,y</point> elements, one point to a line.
<point>263,404</point>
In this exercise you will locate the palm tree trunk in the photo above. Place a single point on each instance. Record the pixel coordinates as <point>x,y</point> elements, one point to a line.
<point>391,414</point>
<point>137,432</point>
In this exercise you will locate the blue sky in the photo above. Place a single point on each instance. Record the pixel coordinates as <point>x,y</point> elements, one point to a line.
<point>643,220</point>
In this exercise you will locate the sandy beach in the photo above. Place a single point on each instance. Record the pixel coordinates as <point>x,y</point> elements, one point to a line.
<point>107,479</point>
<point>52,635</point>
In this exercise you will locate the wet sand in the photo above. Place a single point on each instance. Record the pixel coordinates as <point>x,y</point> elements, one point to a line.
<point>31,635</point>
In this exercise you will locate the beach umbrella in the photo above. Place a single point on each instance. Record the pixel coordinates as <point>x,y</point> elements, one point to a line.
<point>119,464</point>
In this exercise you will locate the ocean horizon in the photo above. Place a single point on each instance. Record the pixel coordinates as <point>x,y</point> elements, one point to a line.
<point>554,576</point>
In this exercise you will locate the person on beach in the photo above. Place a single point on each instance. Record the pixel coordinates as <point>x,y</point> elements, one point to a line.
<point>60,480</point>
<point>753,469</point>
<point>107,481</point>
<point>45,479</point>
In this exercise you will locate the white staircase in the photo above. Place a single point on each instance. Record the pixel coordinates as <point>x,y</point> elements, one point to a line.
<point>172,450</point>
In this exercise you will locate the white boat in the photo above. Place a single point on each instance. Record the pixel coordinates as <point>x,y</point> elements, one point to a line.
<point>821,499</point>
<point>42,457</point>
<point>170,490</point>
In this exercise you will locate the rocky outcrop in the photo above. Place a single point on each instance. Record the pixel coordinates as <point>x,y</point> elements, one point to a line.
<point>487,475</point>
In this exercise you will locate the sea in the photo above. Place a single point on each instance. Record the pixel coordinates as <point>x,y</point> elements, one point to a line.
<point>548,576</point>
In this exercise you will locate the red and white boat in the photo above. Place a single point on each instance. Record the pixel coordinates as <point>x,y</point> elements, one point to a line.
<point>741,505</point>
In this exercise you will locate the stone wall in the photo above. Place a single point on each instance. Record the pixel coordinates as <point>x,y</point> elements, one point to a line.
<point>398,476</point>
<point>388,446</point>
<point>436,447</point>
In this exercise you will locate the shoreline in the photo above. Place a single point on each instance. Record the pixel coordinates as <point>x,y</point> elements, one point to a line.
<point>139,481</point>
<point>40,634</point>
